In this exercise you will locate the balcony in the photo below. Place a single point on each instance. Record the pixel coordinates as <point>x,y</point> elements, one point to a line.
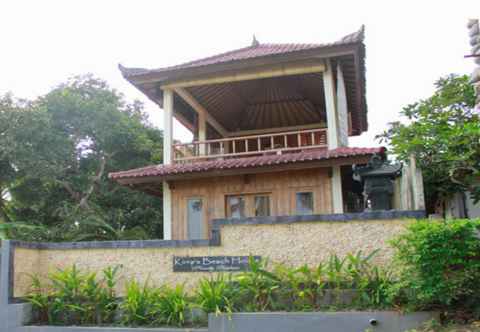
<point>248,146</point>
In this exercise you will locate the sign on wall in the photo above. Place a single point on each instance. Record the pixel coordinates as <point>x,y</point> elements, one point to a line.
<point>211,263</point>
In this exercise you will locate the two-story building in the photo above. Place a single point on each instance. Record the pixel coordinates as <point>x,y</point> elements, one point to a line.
<point>271,125</point>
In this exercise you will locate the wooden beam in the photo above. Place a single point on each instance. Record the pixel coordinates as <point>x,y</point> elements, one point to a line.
<point>189,99</point>
<point>184,121</point>
<point>279,70</point>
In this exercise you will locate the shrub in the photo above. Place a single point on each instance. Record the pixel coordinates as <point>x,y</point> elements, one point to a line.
<point>172,305</point>
<point>257,287</point>
<point>75,298</point>
<point>300,288</point>
<point>216,295</point>
<point>144,305</point>
<point>139,305</point>
<point>440,263</point>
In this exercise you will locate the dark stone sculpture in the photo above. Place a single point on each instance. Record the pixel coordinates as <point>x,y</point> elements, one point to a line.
<point>378,178</point>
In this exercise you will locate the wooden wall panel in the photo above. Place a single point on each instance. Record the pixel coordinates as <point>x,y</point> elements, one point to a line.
<point>281,185</point>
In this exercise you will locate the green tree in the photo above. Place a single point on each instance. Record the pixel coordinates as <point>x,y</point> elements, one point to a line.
<point>58,156</point>
<point>443,133</point>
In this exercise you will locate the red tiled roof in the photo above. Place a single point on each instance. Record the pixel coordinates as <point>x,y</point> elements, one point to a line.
<point>254,51</point>
<point>243,163</point>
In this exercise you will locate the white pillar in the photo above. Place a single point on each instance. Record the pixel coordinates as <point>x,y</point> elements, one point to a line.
<point>331,107</point>
<point>167,211</point>
<point>202,132</point>
<point>167,126</point>
<point>167,159</point>
<point>337,195</point>
<point>333,135</point>
<point>342,108</point>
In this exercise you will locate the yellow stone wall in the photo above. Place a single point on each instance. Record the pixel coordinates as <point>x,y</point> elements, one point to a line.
<point>293,244</point>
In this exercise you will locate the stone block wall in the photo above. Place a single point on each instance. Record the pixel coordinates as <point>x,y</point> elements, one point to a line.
<point>291,240</point>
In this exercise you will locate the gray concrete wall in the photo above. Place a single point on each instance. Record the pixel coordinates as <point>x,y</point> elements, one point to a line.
<point>100,329</point>
<point>387,321</point>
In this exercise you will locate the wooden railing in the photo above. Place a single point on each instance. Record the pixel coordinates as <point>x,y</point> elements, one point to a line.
<point>277,143</point>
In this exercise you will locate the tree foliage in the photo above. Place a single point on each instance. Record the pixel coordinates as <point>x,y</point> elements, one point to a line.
<point>443,133</point>
<point>55,155</point>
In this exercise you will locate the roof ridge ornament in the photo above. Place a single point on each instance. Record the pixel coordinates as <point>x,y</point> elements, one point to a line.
<point>255,42</point>
<point>355,37</point>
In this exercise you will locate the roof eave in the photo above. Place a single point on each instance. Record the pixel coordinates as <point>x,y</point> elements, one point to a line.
<point>168,76</point>
<point>307,164</point>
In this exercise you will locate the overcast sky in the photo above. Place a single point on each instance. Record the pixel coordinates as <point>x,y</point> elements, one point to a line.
<point>409,43</point>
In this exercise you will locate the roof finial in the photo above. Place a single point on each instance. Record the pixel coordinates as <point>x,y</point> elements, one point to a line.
<point>255,42</point>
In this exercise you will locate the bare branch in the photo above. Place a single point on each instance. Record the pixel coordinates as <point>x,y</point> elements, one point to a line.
<point>75,195</point>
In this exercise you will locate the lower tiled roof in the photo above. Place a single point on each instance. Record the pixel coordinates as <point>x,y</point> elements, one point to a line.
<point>243,163</point>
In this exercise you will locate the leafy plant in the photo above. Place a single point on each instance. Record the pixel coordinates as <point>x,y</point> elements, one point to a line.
<point>301,287</point>
<point>257,287</point>
<point>106,302</point>
<point>440,264</point>
<point>74,298</point>
<point>139,305</point>
<point>172,305</point>
<point>216,295</point>
<point>377,292</point>
<point>39,298</point>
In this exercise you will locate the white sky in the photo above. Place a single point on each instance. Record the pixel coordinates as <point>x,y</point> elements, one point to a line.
<point>409,43</point>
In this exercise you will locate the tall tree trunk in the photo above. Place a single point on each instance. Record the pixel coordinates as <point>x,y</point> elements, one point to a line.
<point>95,180</point>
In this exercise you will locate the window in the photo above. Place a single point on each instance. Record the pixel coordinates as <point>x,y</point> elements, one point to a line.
<point>262,206</point>
<point>304,203</point>
<point>250,205</point>
<point>236,206</point>
<point>195,227</point>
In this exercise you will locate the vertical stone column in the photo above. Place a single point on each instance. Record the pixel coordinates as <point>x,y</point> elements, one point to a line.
<point>417,185</point>
<point>167,160</point>
<point>333,135</point>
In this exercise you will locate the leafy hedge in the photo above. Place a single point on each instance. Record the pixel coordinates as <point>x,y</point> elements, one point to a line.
<point>440,265</point>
